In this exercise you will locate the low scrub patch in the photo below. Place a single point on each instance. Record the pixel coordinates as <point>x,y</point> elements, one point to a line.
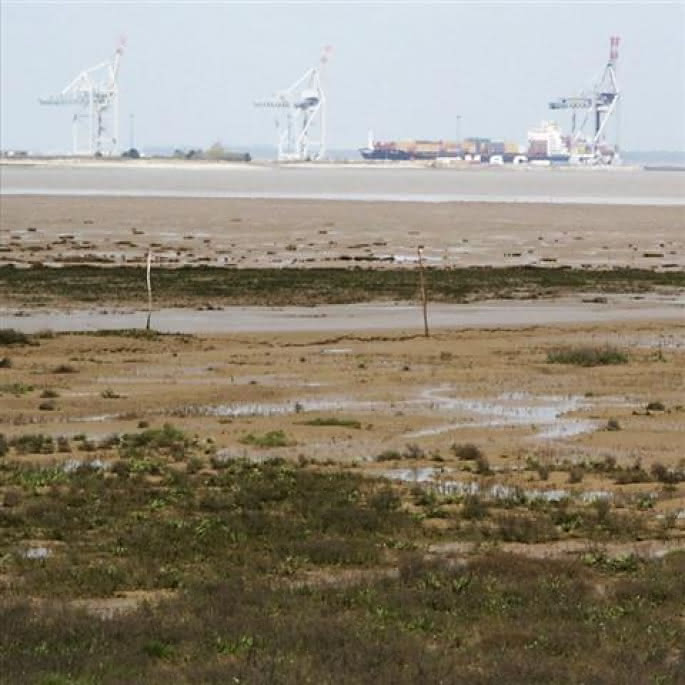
<point>467,451</point>
<point>587,356</point>
<point>656,406</point>
<point>388,455</point>
<point>9,336</point>
<point>65,368</point>
<point>333,421</point>
<point>15,389</point>
<point>168,440</point>
<point>270,439</point>
<point>33,443</point>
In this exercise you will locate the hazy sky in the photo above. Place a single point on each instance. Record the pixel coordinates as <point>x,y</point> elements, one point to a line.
<point>191,71</point>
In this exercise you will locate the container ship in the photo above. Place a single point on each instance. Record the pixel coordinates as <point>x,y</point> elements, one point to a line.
<point>546,145</point>
<point>470,149</point>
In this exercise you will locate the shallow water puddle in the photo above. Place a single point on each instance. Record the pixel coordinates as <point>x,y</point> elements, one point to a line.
<point>37,553</point>
<point>99,418</point>
<point>545,414</point>
<point>434,479</point>
<point>509,409</point>
<point>285,408</point>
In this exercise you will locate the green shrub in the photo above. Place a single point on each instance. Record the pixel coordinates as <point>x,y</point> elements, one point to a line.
<point>33,443</point>
<point>631,474</point>
<point>656,406</point>
<point>275,438</point>
<point>388,455</point>
<point>483,466</point>
<point>158,649</point>
<point>385,500</point>
<point>110,442</point>
<point>576,474</point>
<point>15,388</point>
<point>587,356</point>
<point>121,468</point>
<point>666,475</point>
<point>474,507</point>
<point>9,336</point>
<point>516,528</point>
<point>65,368</point>
<point>543,470</point>
<point>333,421</point>
<point>167,440</point>
<point>194,464</point>
<point>413,451</point>
<point>63,444</point>
<point>467,451</point>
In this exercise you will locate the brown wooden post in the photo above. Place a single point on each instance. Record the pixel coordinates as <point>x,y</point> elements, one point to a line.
<point>149,289</point>
<point>424,297</point>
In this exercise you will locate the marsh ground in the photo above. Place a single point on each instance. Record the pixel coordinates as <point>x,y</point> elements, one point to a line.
<point>290,508</point>
<point>482,505</point>
<point>386,405</point>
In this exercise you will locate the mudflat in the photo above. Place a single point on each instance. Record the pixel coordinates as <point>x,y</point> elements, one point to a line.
<point>307,233</point>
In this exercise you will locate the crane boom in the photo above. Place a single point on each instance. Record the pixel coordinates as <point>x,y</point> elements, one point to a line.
<point>96,91</point>
<point>304,109</point>
<point>573,102</point>
<point>600,105</point>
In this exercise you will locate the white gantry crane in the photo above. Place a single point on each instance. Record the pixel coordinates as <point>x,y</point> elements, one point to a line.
<point>96,92</point>
<point>302,126</point>
<point>599,104</point>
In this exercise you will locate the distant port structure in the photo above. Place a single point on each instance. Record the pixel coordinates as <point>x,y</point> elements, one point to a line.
<point>302,128</point>
<point>95,92</point>
<point>597,106</point>
<point>301,122</point>
<point>587,143</point>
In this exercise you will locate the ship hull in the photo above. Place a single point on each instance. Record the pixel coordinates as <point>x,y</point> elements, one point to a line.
<point>391,154</point>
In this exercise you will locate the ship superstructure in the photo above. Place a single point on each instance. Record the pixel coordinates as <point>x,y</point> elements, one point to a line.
<point>546,143</point>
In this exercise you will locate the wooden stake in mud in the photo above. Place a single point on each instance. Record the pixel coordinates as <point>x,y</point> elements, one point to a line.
<point>424,298</point>
<point>149,289</point>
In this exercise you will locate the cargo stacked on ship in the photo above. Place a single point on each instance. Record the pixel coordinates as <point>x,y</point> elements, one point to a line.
<point>468,150</point>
